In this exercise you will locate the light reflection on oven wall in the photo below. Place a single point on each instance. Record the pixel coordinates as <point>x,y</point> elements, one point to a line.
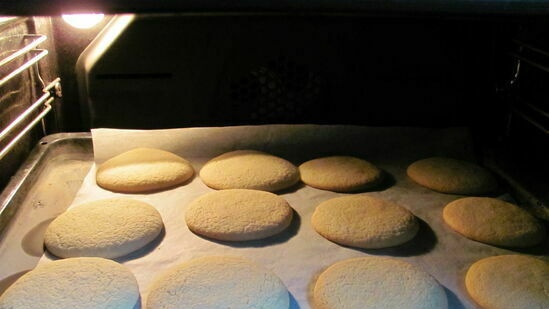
<point>69,43</point>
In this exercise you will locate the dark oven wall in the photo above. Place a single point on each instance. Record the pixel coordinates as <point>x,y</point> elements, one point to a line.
<point>198,70</point>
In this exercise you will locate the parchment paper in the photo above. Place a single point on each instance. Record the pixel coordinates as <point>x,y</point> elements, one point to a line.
<point>299,254</point>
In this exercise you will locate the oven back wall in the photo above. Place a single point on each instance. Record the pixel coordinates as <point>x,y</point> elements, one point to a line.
<point>223,70</point>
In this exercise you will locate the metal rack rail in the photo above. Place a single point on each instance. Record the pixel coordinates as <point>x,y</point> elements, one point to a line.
<point>42,104</point>
<point>532,112</point>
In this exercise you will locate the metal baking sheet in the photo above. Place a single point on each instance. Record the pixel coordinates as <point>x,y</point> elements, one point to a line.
<point>299,254</point>
<point>42,189</point>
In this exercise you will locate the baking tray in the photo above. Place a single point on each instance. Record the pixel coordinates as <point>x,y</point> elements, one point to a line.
<point>299,254</point>
<point>43,187</point>
<point>437,249</point>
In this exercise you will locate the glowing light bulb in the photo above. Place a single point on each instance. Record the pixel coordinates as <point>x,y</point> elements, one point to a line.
<point>83,21</point>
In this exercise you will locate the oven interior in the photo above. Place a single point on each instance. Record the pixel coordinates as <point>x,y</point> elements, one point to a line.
<point>155,70</point>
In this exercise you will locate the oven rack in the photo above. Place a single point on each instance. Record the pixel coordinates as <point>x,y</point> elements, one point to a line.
<point>23,123</point>
<point>528,102</point>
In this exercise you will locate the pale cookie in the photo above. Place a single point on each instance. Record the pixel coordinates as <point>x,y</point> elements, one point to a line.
<point>365,222</point>
<point>509,282</point>
<point>452,176</point>
<point>249,169</point>
<point>75,283</point>
<point>340,174</point>
<point>238,215</point>
<point>105,228</point>
<point>494,222</point>
<point>377,282</point>
<point>218,282</point>
<point>143,170</point>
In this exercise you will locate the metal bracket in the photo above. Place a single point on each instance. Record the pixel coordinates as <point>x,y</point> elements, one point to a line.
<point>51,91</point>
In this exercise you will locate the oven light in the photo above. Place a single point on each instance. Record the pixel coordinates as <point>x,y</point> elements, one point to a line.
<point>83,21</point>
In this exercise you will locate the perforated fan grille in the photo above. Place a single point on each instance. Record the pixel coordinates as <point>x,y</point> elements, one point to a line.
<point>280,91</point>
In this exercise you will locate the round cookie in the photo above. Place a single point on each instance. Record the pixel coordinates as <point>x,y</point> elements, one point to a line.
<point>377,282</point>
<point>238,215</point>
<point>249,169</point>
<point>143,170</point>
<point>75,283</point>
<point>218,282</point>
<point>340,174</point>
<point>452,176</point>
<point>365,222</point>
<point>494,222</point>
<point>105,228</point>
<point>509,282</point>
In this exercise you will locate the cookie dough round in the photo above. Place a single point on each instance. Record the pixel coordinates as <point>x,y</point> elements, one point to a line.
<point>365,222</point>
<point>452,176</point>
<point>509,282</point>
<point>75,283</point>
<point>249,169</point>
<point>105,228</point>
<point>340,174</point>
<point>494,222</point>
<point>238,215</point>
<point>377,282</point>
<point>143,170</point>
<point>218,282</point>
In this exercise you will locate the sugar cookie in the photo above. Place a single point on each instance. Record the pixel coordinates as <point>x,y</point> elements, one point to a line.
<point>74,283</point>
<point>249,169</point>
<point>377,282</point>
<point>107,228</point>
<point>364,221</point>
<point>452,176</point>
<point>493,221</point>
<point>238,215</point>
<point>142,170</point>
<point>218,282</point>
<point>340,174</point>
<point>509,282</point>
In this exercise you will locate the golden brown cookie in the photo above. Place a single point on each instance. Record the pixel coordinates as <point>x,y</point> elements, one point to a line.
<point>509,282</point>
<point>494,222</point>
<point>238,215</point>
<point>453,176</point>
<point>218,282</point>
<point>249,169</point>
<point>365,222</point>
<point>142,170</point>
<point>340,174</point>
<point>377,282</point>
<point>107,228</point>
<point>74,283</point>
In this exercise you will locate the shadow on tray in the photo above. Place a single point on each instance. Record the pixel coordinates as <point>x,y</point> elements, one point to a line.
<point>293,302</point>
<point>8,281</point>
<point>387,181</point>
<point>453,300</point>
<point>33,242</point>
